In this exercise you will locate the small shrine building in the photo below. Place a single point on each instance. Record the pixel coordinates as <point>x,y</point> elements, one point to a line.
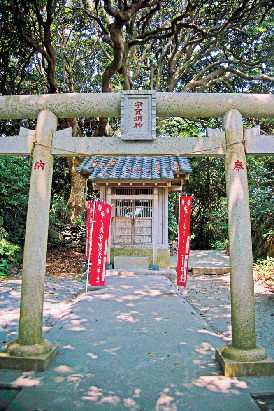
<point>137,187</point>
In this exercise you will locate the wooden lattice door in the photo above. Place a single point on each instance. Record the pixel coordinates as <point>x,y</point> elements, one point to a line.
<point>132,223</point>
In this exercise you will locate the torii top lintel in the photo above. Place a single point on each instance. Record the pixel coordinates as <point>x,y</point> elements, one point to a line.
<point>185,105</point>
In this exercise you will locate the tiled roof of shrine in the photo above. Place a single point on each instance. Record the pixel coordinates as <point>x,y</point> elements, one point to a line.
<point>134,167</point>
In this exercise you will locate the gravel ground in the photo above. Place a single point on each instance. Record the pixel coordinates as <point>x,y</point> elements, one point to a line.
<point>209,295</point>
<point>58,297</point>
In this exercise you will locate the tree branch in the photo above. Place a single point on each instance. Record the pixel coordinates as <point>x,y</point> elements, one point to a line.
<point>197,83</point>
<point>247,76</point>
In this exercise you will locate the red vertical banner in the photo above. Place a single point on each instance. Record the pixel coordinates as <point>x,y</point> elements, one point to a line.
<point>90,219</point>
<point>98,223</point>
<point>183,240</point>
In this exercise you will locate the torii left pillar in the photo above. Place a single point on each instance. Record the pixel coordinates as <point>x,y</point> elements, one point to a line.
<point>30,351</point>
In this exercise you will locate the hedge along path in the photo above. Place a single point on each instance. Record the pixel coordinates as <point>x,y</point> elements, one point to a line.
<point>243,357</point>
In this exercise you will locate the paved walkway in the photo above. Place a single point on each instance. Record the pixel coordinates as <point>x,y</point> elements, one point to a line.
<point>135,345</point>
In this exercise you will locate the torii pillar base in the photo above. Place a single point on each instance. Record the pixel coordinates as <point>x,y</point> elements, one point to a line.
<point>246,368</point>
<point>35,357</point>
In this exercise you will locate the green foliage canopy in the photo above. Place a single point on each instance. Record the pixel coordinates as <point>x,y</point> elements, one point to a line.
<point>189,46</point>
<point>14,187</point>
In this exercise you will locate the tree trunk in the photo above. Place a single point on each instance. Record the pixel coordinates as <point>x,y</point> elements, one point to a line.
<point>118,51</point>
<point>77,199</point>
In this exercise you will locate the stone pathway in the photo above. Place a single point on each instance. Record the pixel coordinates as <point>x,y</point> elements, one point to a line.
<point>135,344</point>
<point>209,295</point>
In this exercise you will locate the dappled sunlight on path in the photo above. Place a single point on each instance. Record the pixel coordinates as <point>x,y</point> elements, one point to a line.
<point>58,296</point>
<point>136,345</point>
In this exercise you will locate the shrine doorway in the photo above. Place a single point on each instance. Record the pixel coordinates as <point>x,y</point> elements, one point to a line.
<point>132,223</point>
<point>137,188</point>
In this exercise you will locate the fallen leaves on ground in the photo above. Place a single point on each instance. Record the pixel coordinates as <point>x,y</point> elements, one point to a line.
<point>64,262</point>
<point>173,246</point>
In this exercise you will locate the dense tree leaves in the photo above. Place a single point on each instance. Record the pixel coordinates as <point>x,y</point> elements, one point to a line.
<point>207,185</point>
<point>209,220</point>
<point>184,46</point>
<point>14,188</point>
<point>14,191</point>
<point>261,191</point>
<point>59,48</point>
<point>193,46</point>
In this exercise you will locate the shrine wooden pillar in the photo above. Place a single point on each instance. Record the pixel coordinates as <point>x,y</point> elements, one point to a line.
<point>155,225</point>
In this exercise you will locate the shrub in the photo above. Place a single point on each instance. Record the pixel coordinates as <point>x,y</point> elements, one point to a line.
<point>264,271</point>
<point>14,191</point>
<point>7,256</point>
<point>59,212</point>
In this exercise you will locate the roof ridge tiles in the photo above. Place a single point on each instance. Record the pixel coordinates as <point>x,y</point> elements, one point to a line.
<point>134,167</point>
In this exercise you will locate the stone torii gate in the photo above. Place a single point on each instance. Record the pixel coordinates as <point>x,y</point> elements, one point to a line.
<point>30,351</point>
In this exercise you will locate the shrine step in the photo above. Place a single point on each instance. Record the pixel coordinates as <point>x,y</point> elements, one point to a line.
<point>130,261</point>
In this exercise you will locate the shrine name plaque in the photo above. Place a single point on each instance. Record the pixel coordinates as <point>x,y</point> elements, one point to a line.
<point>138,115</point>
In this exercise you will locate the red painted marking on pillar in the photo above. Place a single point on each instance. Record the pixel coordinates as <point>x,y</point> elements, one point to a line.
<point>238,166</point>
<point>39,165</point>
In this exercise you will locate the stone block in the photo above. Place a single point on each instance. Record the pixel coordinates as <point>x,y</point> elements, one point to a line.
<point>38,363</point>
<point>163,257</point>
<point>163,254</point>
<point>130,262</point>
<point>210,270</point>
<point>264,368</point>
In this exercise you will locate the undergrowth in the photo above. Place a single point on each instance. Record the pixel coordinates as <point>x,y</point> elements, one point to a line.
<point>264,271</point>
<point>7,256</point>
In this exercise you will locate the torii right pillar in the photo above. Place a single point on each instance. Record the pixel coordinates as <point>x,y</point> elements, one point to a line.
<point>243,357</point>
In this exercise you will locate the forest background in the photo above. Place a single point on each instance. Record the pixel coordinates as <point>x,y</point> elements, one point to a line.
<point>60,46</point>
